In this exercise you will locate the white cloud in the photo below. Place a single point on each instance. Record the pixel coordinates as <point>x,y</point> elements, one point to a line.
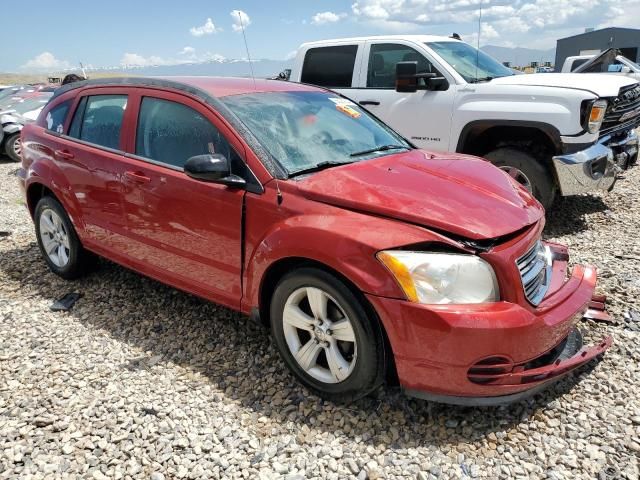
<point>187,55</point>
<point>45,61</point>
<point>207,29</point>
<point>526,22</point>
<point>135,60</point>
<point>322,18</point>
<point>240,19</point>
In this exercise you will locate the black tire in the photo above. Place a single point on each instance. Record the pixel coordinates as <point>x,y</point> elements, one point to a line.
<point>369,370</point>
<point>10,145</point>
<point>80,261</point>
<point>543,185</point>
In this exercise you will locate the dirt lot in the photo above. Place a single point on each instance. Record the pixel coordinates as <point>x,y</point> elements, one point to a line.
<point>142,381</point>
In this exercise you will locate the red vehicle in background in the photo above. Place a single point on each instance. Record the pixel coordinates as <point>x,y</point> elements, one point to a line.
<point>365,255</point>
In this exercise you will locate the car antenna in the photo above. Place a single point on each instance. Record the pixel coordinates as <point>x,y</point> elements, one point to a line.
<point>84,74</point>
<point>246,46</point>
<point>478,49</point>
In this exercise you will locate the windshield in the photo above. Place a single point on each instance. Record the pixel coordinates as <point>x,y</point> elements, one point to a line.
<point>30,104</point>
<point>307,130</point>
<point>472,64</point>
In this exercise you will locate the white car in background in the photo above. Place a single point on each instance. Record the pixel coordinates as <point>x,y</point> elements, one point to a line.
<point>14,118</point>
<point>610,62</point>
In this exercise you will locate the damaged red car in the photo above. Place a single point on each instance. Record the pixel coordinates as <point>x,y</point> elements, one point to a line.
<point>368,258</point>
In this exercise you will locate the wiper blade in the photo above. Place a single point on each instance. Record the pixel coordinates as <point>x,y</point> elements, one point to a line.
<point>382,148</point>
<point>318,167</point>
<point>482,79</point>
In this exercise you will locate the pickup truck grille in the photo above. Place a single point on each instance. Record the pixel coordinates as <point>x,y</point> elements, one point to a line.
<point>623,112</point>
<point>535,272</point>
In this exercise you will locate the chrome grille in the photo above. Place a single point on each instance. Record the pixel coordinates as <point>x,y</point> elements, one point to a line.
<point>623,112</point>
<point>535,272</point>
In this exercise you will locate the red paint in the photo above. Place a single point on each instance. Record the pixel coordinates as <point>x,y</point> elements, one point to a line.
<point>191,235</point>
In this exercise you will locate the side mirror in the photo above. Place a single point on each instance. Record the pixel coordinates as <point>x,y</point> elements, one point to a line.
<point>408,79</point>
<point>625,69</point>
<point>212,168</point>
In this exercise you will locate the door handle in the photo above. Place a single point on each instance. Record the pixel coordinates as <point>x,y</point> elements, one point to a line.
<point>369,102</point>
<point>136,177</point>
<point>63,154</point>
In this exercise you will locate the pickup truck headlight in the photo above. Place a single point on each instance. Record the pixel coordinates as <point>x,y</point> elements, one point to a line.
<point>442,278</point>
<point>598,109</point>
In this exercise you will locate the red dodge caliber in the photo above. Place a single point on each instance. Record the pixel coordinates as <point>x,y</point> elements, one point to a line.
<point>366,256</point>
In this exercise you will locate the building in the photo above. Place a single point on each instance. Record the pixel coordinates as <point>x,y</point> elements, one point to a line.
<point>592,42</point>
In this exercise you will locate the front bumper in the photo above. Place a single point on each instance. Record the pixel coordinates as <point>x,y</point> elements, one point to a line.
<point>440,351</point>
<point>595,167</point>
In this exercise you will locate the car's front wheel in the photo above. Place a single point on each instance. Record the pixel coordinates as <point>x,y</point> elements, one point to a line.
<point>13,147</point>
<point>58,241</point>
<point>325,336</point>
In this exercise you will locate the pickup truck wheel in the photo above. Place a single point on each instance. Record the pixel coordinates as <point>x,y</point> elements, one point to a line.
<point>58,241</point>
<point>526,170</point>
<point>324,336</point>
<point>13,147</point>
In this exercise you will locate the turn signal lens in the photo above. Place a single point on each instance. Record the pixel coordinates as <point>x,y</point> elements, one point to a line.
<point>598,109</point>
<point>401,273</point>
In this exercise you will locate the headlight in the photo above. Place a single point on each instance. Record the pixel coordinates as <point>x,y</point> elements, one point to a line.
<point>598,109</point>
<point>441,278</point>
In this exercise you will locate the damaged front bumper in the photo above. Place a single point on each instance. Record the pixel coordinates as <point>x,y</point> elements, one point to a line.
<point>567,356</point>
<point>595,167</point>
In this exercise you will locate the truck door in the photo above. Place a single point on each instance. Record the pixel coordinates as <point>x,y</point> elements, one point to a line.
<point>424,117</point>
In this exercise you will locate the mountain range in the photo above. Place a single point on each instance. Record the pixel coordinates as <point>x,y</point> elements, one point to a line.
<point>269,68</point>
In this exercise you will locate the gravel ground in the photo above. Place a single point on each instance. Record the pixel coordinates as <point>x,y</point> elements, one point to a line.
<point>141,381</point>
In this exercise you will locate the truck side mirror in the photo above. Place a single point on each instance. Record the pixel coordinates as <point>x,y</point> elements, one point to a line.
<point>408,79</point>
<point>625,69</point>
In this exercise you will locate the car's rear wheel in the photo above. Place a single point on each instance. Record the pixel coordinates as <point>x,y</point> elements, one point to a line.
<point>527,170</point>
<point>58,241</point>
<point>325,336</point>
<point>13,147</point>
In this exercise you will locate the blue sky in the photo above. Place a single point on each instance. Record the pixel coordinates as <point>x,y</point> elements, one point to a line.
<point>54,35</point>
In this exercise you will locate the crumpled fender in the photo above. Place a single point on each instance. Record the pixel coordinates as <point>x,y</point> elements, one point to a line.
<point>355,239</point>
<point>45,172</point>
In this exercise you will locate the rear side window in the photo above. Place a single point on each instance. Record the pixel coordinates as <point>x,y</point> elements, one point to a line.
<point>100,121</point>
<point>54,121</point>
<point>329,66</point>
<point>171,133</point>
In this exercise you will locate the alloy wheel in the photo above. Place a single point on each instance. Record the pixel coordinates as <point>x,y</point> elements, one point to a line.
<point>319,335</point>
<point>17,147</point>
<point>55,238</point>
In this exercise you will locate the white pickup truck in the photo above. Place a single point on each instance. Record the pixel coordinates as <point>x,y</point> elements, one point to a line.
<point>555,133</point>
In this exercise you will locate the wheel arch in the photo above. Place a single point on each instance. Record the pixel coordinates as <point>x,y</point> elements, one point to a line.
<point>482,136</point>
<point>35,191</point>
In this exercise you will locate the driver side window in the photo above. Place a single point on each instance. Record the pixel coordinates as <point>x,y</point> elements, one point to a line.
<point>383,58</point>
<point>171,133</point>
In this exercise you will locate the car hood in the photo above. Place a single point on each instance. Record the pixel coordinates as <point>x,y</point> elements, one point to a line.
<point>462,195</point>
<point>597,83</point>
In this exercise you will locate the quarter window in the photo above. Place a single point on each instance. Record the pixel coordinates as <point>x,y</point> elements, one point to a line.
<point>100,121</point>
<point>329,66</point>
<point>383,58</point>
<point>171,133</point>
<point>54,121</point>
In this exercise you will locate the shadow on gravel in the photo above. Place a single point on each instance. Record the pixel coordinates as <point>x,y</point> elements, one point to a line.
<point>239,358</point>
<point>567,216</point>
